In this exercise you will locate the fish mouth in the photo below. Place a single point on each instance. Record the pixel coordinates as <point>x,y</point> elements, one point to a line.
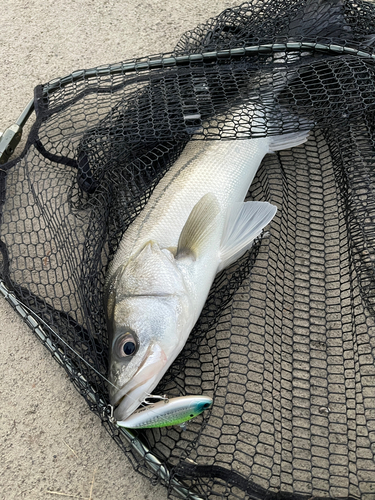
<point>133,393</point>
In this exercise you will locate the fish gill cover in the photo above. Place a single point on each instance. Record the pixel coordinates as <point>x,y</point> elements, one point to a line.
<point>285,344</point>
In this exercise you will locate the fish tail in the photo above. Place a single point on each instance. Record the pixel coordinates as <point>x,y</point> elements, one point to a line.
<point>286,141</point>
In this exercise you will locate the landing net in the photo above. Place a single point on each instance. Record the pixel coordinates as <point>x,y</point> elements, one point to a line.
<point>285,344</point>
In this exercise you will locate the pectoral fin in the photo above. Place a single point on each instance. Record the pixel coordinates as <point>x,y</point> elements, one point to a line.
<point>245,221</point>
<point>199,226</point>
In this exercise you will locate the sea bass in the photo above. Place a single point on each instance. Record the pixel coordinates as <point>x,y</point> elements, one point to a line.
<point>195,224</point>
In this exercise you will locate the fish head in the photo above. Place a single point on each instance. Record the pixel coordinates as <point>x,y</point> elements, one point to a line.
<point>141,350</point>
<point>147,314</point>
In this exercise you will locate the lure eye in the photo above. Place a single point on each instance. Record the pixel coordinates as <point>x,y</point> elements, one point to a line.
<point>127,346</point>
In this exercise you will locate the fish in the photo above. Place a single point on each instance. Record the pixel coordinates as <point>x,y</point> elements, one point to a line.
<point>194,225</point>
<point>168,412</point>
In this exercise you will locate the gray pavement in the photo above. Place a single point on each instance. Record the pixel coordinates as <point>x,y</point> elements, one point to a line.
<point>49,440</point>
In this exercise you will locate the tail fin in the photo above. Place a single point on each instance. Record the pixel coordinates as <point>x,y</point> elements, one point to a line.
<point>286,141</point>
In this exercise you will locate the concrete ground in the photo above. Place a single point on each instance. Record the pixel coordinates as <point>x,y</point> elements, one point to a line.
<point>49,440</point>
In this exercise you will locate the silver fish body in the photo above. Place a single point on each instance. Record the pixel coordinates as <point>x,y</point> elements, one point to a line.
<point>194,225</point>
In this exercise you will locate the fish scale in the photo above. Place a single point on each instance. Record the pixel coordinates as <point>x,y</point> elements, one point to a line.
<point>194,224</point>
<point>225,168</point>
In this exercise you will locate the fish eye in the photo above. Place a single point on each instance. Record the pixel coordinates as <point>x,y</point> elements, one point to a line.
<point>127,345</point>
<point>129,348</point>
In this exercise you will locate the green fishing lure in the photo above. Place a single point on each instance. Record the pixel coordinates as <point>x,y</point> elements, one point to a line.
<point>168,412</point>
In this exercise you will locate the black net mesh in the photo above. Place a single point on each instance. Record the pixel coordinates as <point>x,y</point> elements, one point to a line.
<point>285,344</point>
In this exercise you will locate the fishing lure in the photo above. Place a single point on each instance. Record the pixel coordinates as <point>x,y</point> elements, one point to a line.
<point>175,411</point>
